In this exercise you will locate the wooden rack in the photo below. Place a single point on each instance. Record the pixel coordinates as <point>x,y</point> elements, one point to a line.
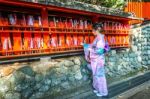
<point>45,29</point>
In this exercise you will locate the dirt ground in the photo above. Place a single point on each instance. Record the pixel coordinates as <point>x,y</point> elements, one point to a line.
<point>145,94</point>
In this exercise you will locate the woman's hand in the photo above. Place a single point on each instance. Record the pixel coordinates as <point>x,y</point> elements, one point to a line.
<point>82,44</point>
<point>88,59</point>
<point>100,51</point>
<point>106,54</point>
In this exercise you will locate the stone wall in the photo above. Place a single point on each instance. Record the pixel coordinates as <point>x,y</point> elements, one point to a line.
<point>40,79</point>
<point>145,45</point>
<point>122,63</point>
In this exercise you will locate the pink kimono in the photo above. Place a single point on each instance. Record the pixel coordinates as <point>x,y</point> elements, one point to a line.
<point>94,54</point>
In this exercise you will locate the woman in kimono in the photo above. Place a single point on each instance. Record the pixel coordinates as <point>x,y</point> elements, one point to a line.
<point>95,55</point>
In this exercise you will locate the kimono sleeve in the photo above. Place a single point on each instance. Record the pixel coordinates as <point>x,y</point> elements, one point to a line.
<point>86,51</point>
<point>98,46</point>
<point>106,47</point>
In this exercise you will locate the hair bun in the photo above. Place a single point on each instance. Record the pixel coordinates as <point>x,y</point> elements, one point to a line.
<point>97,25</point>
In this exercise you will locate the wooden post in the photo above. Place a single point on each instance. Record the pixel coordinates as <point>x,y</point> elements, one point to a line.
<point>44,15</point>
<point>95,19</point>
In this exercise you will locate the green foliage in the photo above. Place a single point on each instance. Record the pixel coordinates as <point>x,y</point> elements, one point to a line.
<point>119,4</point>
<point>106,3</point>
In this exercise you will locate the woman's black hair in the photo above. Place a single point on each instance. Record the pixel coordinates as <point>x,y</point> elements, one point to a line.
<point>97,25</point>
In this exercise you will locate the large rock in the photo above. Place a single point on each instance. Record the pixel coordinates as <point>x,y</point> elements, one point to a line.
<point>5,71</point>
<point>77,61</point>
<point>38,77</point>
<point>75,68</point>
<point>148,62</point>
<point>78,75</point>
<point>68,63</point>
<point>145,67</point>
<point>27,93</point>
<point>63,70</point>
<point>30,80</point>
<point>55,89</point>
<point>131,59</point>
<point>43,67</point>
<point>139,59</point>
<point>138,53</point>
<point>18,81</point>
<point>65,85</point>
<point>134,48</point>
<point>4,85</point>
<point>20,87</point>
<point>126,55</point>
<point>132,55</point>
<point>47,81</point>
<point>148,52</point>
<point>27,70</point>
<point>139,45</point>
<point>44,88</point>
<point>113,52</point>
<point>38,86</point>
<point>55,81</point>
<point>119,67</point>
<point>112,59</point>
<point>71,79</point>
<point>37,95</point>
<point>12,95</point>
